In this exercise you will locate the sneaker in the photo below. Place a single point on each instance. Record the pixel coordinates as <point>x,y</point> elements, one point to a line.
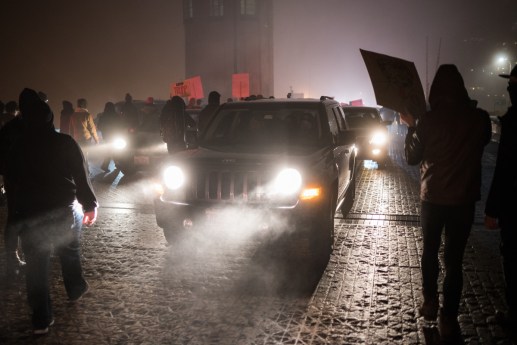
<point>80,295</point>
<point>43,331</point>
<point>429,309</point>
<point>449,328</point>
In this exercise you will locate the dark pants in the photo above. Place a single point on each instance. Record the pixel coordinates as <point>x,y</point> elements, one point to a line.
<point>508,224</point>
<point>58,230</point>
<point>456,221</point>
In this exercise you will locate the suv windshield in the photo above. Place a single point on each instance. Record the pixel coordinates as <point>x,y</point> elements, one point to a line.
<point>266,129</point>
<point>359,118</point>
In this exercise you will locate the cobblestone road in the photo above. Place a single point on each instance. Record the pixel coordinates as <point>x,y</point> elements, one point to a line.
<point>219,293</point>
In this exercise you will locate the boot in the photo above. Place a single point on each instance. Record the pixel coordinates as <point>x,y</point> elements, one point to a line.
<point>449,328</point>
<point>429,309</point>
<point>14,264</point>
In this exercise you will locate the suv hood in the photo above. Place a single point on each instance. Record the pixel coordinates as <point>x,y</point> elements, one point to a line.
<point>211,157</point>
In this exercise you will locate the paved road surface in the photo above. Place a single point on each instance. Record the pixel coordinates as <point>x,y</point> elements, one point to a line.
<point>224,290</point>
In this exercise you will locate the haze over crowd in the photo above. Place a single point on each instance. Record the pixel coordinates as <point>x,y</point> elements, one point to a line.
<point>101,50</point>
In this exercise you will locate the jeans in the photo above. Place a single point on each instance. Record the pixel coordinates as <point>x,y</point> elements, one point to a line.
<point>456,221</point>
<point>59,230</point>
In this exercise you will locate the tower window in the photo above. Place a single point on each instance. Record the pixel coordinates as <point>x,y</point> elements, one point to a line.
<point>248,7</point>
<point>216,8</point>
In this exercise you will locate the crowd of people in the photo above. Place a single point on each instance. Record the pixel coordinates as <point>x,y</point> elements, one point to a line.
<point>47,210</point>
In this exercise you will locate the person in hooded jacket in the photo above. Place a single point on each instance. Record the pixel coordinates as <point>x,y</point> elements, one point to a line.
<point>214,100</point>
<point>500,205</point>
<point>173,121</point>
<point>448,142</point>
<point>66,114</point>
<point>49,176</point>
<point>110,124</point>
<point>130,113</point>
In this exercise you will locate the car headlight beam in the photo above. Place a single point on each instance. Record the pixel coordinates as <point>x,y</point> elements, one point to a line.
<point>119,143</point>
<point>379,138</point>
<point>287,182</point>
<point>173,177</point>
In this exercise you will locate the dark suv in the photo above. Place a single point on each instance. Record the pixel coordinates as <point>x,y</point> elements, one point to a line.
<point>371,132</point>
<point>275,168</point>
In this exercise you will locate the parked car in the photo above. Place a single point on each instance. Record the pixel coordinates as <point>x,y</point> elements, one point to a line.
<point>273,167</point>
<point>142,148</point>
<point>371,133</point>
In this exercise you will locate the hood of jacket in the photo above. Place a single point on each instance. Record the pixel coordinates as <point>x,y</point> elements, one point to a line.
<point>448,88</point>
<point>36,114</point>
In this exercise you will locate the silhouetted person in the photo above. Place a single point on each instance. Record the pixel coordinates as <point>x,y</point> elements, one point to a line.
<point>64,119</point>
<point>9,134</point>
<point>82,126</point>
<point>173,123</point>
<point>49,173</point>
<point>192,104</point>
<point>214,100</point>
<point>150,116</point>
<point>447,142</point>
<point>501,204</point>
<point>110,124</point>
<point>130,113</point>
<point>10,113</point>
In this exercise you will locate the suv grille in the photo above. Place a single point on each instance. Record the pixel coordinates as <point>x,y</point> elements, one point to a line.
<point>232,186</point>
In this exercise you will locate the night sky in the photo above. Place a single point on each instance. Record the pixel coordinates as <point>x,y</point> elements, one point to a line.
<point>100,50</point>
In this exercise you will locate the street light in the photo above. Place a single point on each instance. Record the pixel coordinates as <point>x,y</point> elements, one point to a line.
<point>504,59</point>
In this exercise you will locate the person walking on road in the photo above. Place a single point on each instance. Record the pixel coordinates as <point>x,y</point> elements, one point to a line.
<point>64,119</point>
<point>9,134</point>
<point>82,126</point>
<point>501,205</point>
<point>172,124</point>
<point>214,100</point>
<point>110,124</point>
<point>49,175</point>
<point>448,143</point>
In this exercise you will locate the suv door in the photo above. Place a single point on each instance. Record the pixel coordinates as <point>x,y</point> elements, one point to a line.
<point>343,154</point>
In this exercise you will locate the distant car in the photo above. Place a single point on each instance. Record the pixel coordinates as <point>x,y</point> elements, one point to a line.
<point>142,148</point>
<point>372,136</point>
<point>275,166</point>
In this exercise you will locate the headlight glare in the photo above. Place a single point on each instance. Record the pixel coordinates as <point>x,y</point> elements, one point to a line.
<point>119,143</point>
<point>288,182</point>
<point>379,138</point>
<point>173,177</point>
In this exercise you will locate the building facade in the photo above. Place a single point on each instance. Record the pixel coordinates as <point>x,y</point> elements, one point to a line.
<point>227,37</point>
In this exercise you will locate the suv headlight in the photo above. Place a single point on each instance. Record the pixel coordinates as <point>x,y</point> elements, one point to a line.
<point>379,138</point>
<point>173,177</point>
<point>287,182</point>
<point>119,143</point>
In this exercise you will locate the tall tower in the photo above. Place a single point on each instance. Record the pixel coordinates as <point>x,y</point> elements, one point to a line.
<point>226,37</point>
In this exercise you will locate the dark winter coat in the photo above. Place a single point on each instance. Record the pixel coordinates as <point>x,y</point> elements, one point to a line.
<point>206,113</point>
<point>448,142</point>
<point>501,197</point>
<point>47,169</point>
